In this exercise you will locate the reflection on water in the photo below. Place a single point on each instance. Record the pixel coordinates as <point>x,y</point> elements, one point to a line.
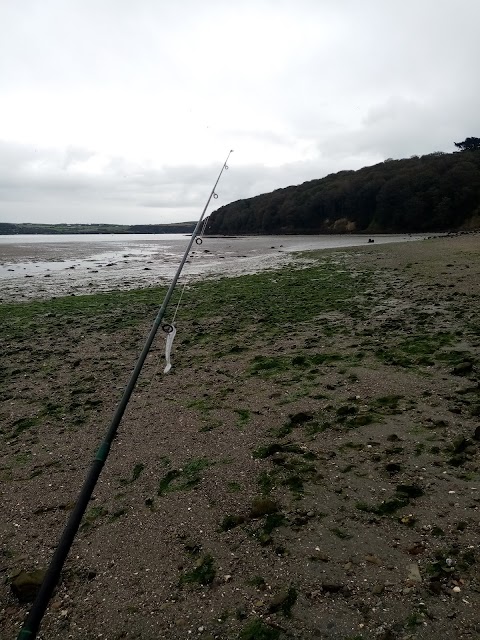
<point>44,266</point>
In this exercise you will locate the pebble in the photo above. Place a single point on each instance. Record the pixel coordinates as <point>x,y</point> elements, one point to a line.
<point>413,572</point>
<point>25,584</point>
<point>278,601</point>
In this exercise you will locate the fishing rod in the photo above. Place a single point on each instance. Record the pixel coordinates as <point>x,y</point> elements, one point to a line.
<point>32,622</point>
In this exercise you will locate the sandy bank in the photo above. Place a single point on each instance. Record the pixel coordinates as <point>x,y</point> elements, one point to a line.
<point>344,395</point>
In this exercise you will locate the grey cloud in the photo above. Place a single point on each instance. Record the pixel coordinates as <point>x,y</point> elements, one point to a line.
<point>175,189</point>
<point>401,127</point>
<point>359,82</point>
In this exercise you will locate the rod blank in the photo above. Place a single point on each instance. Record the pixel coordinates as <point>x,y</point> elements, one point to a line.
<point>35,616</point>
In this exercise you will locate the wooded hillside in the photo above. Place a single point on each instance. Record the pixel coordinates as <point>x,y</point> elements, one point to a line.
<point>435,192</point>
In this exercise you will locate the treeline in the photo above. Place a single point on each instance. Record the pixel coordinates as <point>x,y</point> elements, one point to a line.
<point>10,228</point>
<point>435,192</point>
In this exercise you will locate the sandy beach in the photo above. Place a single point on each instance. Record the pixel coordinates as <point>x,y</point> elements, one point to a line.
<point>308,469</point>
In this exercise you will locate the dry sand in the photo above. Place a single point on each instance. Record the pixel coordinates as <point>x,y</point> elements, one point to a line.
<point>352,418</point>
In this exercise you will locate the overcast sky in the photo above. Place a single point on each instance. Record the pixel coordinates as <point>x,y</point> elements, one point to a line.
<point>124,110</point>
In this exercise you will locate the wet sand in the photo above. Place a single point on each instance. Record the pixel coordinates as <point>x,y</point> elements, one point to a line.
<point>42,267</point>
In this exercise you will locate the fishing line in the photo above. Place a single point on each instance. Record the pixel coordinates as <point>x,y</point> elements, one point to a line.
<point>170,328</point>
<point>35,616</point>
<point>171,331</point>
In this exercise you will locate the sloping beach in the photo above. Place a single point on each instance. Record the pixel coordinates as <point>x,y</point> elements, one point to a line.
<point>41,266</point>
<point>308,469</point>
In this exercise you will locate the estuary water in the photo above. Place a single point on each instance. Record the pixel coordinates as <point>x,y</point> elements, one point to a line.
<point>44,266</point>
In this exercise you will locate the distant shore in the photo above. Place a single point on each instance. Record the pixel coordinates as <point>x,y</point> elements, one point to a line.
<point>30,228</point>
<point>27,228</point>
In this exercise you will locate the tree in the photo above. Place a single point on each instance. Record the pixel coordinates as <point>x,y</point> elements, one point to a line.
<point>435,192</point>
<point>469,144</point>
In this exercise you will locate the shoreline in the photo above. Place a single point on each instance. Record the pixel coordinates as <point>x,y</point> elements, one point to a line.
<point>43,270</point>
<point>315,444</point>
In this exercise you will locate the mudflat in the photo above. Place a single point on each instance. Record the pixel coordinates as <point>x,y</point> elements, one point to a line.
<point>308,469</point>
<point>43,267</point>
